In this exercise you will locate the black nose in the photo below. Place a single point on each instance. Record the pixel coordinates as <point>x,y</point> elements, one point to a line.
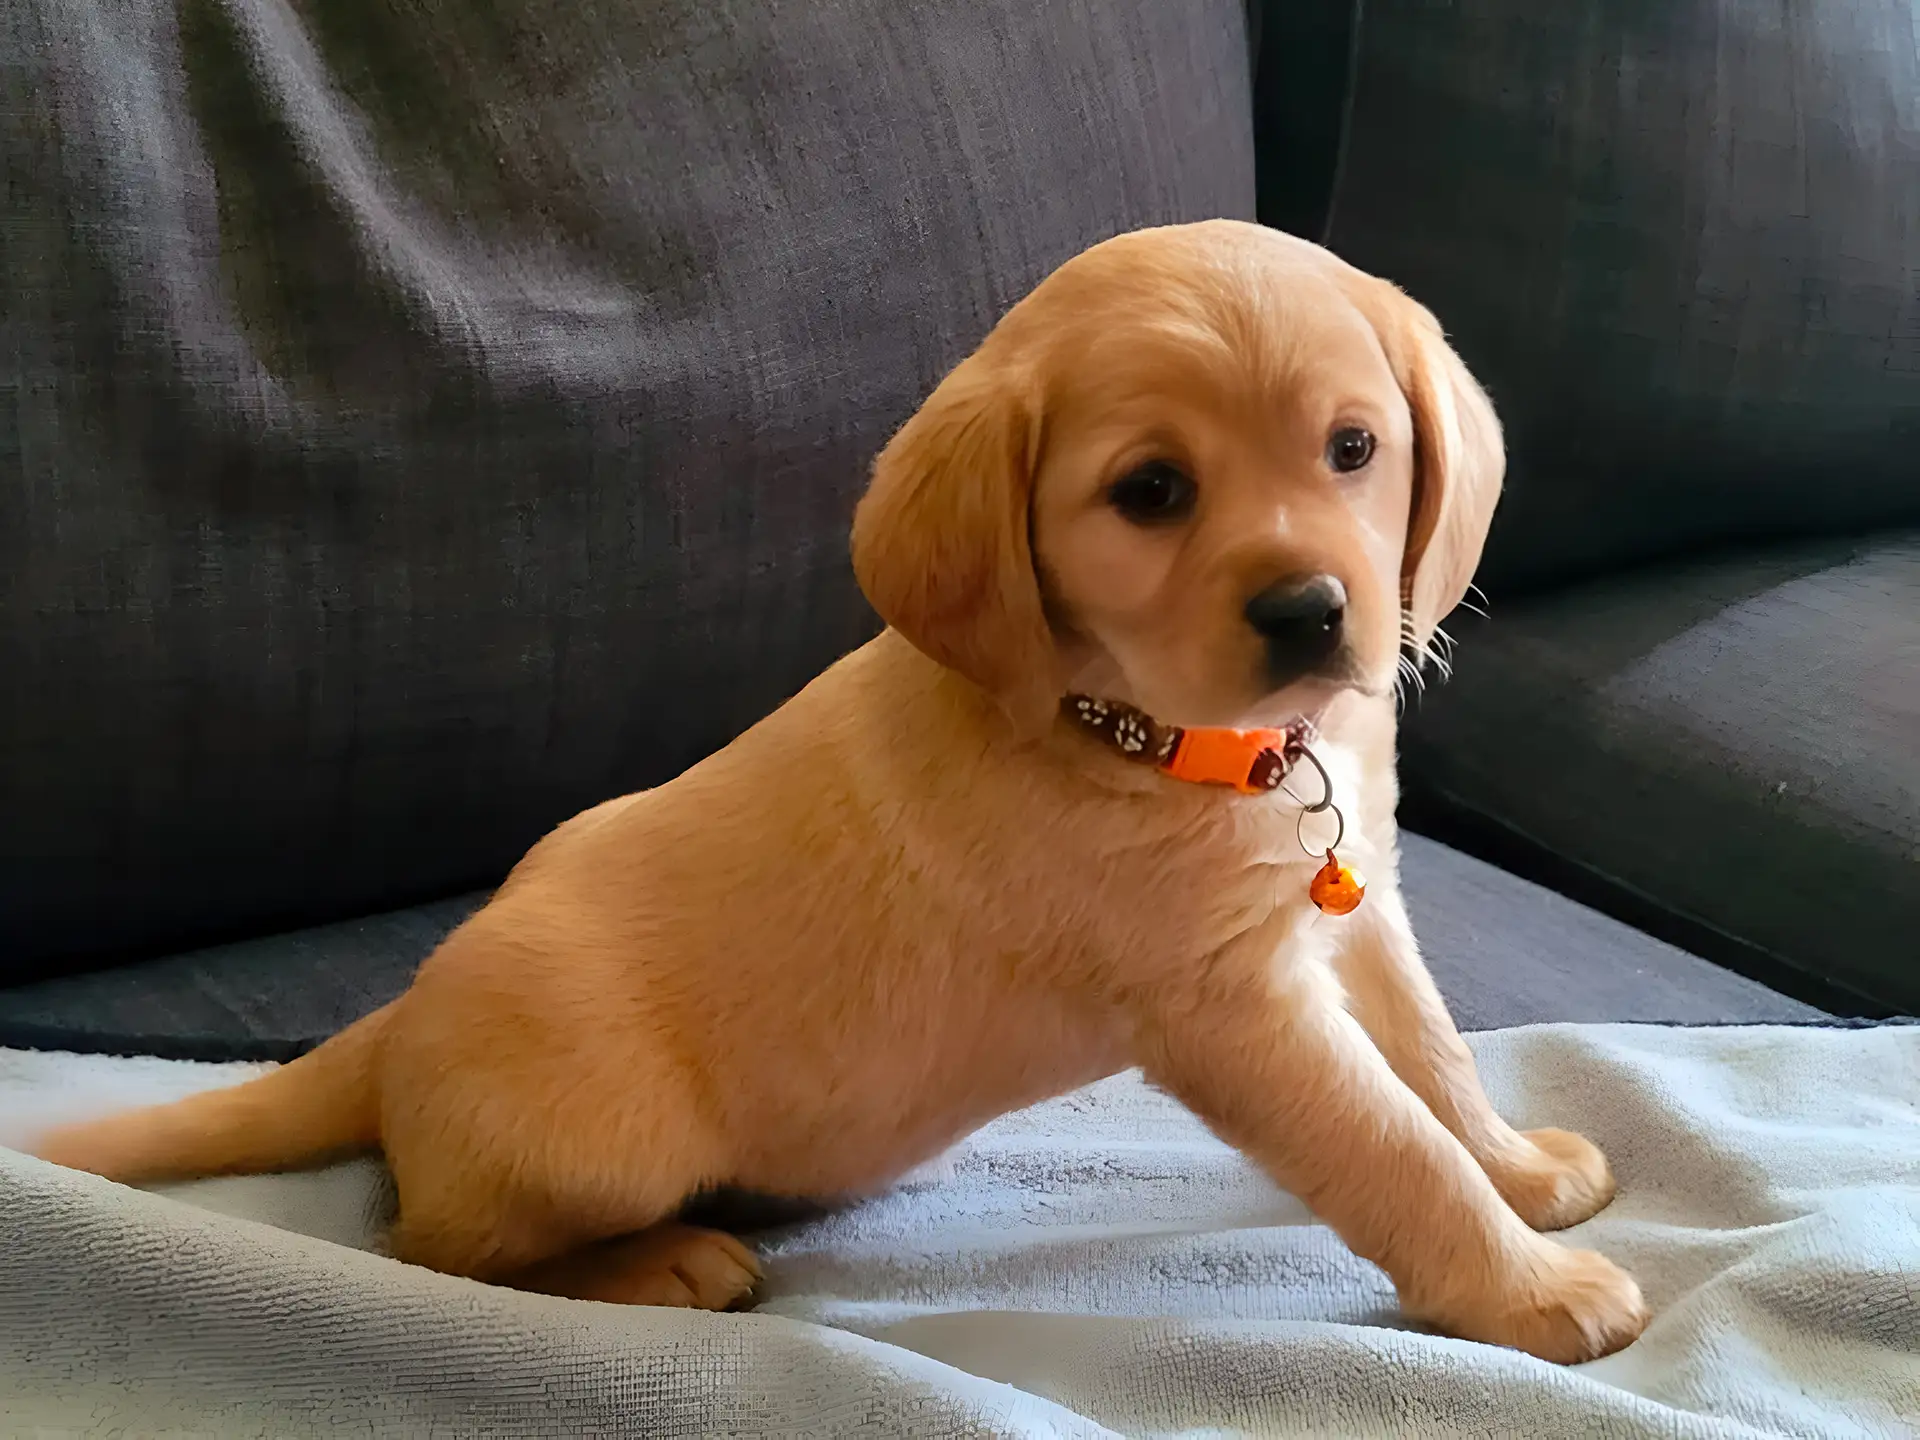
<point>1300,619</point>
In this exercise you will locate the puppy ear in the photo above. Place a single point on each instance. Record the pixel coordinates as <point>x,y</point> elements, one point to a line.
<point>941,544</point>
<point>1459,462</point>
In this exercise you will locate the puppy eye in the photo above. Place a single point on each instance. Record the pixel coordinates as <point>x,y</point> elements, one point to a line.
<point>1156,493</point>
<point>1349,448</point>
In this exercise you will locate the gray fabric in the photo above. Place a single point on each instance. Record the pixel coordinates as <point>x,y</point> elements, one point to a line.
<point>1677,241</point>
<point>1737,742</point>
<point>267,999</point>
<point>426,419</point>
<point>1505,952</point>
<point>1097,1265</point>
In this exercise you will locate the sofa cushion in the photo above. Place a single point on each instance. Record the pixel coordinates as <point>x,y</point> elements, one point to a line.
<point>1504,951</point>
<point>1677,241</point>
<point>422,421</point>
<point>1733,746</point>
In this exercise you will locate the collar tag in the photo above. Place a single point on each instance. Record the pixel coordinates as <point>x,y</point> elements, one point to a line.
<point>1251,761</point>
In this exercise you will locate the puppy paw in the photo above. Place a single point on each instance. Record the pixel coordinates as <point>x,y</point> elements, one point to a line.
<point>1569,1306</point>
<point>1581,1306</point>
<point>1555,1179</point>
<point>687,1267</point>
<point>682,1266</point>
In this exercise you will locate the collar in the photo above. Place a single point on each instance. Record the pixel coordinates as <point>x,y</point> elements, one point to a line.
<point>1251,761</point>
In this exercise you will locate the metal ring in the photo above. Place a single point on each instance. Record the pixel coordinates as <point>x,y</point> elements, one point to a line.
<point>1299,824</point>
<point>1326,784</point>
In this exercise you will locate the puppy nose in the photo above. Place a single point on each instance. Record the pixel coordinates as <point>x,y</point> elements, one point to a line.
<point>1300,619</point>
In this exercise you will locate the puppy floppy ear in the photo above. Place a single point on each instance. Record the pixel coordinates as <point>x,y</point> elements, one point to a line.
<point>941,544</point>
<point>1459,463</point>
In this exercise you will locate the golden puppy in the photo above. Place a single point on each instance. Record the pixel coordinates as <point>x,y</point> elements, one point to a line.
<point>1208,472</point>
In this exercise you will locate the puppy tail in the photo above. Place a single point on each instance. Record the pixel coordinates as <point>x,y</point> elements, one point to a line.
<point>325,1104</point>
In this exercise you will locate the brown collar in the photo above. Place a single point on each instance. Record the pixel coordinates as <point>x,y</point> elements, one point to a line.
<point>1251,761</point>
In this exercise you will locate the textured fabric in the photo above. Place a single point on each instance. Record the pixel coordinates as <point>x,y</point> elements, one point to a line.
<point>1677,241</point>
<point>1504,952</point>
<point>424,419</point>
<point>1736,743</point>
<point>1098,1265</point>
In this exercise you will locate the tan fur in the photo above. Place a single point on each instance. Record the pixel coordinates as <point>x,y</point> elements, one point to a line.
<point>912,899</point>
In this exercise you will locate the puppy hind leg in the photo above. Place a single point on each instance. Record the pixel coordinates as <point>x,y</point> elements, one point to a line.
<point>474,1230</point>
<point>575,1212</point>
<point>559,1177</point>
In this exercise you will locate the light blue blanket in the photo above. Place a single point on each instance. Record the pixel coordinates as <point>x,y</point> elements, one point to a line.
<point>1095,1265</point>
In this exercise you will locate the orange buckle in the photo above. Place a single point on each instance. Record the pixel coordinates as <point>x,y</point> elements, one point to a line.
<point>1212,756</point>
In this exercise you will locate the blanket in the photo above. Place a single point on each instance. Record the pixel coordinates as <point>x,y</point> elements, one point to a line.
<point>1096,1265</point>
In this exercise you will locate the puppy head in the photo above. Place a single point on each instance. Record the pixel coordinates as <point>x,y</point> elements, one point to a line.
<point>1208,470</point>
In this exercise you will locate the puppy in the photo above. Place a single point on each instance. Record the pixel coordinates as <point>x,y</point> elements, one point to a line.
<point>1203,476</point>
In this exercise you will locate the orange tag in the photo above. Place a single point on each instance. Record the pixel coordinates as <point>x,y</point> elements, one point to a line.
<point>1336,889</point>
<point>1213,756</point>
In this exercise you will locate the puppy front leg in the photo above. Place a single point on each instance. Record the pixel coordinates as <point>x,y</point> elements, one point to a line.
<point>1552,1178</point>
<point>1293,1081</point>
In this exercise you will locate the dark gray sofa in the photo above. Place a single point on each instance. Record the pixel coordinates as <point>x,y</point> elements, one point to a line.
<point>1681,246</point>
<point>426,424</point>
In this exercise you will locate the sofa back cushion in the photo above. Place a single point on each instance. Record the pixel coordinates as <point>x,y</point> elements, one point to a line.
<point>428,420</point>
<point>1678,242</point>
